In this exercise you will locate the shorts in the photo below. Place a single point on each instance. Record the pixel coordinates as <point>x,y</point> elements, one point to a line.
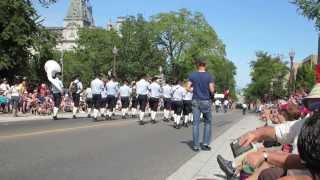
<point>96,100</point>
<point>177,107</point>
<point>134,102</point>
<point>187,107</point>
<point>167,103</point>
<point>142,99</point>
<point>111,101</point>
<point>89,102</point>
<point>15,100</point>
<point>103,102</point>
<point>153,103</point>
<point>125,102</point>
<point>57,99</point>
<point>76,99</point>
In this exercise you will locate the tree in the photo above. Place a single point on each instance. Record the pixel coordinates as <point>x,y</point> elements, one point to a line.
<point>310,9</point>
<point>305,78</point>
<point>183,36</point>
<point>18,27</point>
<point>268,78</point>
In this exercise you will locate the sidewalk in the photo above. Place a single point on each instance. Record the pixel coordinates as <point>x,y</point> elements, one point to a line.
<point>204,165</point>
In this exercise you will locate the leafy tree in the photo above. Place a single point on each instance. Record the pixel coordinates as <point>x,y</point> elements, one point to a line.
<point>310,9</point>
<point>18,27</point>
<point>268,78</point>
<point>183,36</point>
<point>305,78</point>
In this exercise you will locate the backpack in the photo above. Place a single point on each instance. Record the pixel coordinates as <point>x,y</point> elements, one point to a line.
<point>74,88</point>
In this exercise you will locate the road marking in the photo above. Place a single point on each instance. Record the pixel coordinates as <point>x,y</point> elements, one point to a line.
<point>64,130</point>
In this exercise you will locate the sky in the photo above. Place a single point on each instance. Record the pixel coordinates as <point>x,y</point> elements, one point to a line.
<point>244,26</point>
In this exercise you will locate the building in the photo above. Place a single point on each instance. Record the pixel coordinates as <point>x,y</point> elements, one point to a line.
<point>79,15</point>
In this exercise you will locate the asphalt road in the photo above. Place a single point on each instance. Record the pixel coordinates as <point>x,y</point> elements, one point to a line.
<point>83,150</point>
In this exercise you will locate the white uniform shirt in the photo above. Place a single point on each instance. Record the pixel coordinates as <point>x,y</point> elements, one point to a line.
<point>104,93</point>
<point>88,92</point>
<point>14,90</point>
<point>155,90</point>
<point>187,96</point>
<point>226,102</point>
<point>167,91</point>
<point>142,87</point>
<point>177,93</point>
<point>57,86</point>
<point>217,103</point>
<point>97,86</point>
<point>79,86</point>
<point>124,91</point>
<point>112,88</point>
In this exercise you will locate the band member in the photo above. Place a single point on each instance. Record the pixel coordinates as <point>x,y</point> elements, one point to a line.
<point>177,103</point>
<point>187,107</point>
<point>57,90</point>
<point>124,93</point>
<point>96,87</point>
<point>167,95</point>
<point>112,91</point>
<point>155,93</point>
<point>134,99</point>
<point>142,91</point>
<point>88,95</point>
<point>75,88</point>
<point>104,95</point>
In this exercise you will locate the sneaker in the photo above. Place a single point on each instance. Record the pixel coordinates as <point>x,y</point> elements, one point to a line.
<point>226,166</point>
<point>195,149</point>
<point>206,148</point>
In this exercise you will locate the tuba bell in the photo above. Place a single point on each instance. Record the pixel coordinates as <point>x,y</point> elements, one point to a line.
<point>52,67</point>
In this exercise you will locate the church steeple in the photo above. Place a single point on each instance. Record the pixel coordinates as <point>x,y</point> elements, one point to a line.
<point>80,11</point>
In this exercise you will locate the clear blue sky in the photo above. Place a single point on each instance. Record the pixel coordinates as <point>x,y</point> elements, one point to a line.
<point>245,26</point>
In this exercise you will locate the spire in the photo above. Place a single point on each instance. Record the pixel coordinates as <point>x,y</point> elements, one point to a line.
<point>80,10</point>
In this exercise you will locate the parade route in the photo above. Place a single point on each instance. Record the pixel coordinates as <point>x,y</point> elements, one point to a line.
<point>81,149</point>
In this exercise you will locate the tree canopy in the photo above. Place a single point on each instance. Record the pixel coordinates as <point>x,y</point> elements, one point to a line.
<point>310,9</point>
<point>268,78</point>
<point>305,78</point>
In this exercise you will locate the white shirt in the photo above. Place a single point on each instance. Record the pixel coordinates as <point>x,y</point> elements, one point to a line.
<point>57,86</point>
<point>226,102</point>
<point>217,103</point>
<point>155,90</point>
<point>97,86</point>
<point>14,90</point>
<point>79,86</point>
<point>104,93</point>
<point>112,88</point>
<point>88,92</point>
<point>142,87</point>
<point>177,93</point>
<point>5,88</point>
<point>167,91</point>
<point>187,96</point>
<point>124,91</point>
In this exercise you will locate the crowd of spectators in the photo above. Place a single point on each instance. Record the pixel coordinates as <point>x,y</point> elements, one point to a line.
<point>22,98</point>
<point>288,145</point>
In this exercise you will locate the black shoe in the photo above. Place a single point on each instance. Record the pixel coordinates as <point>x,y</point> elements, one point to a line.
<point>102,115</point>
<point>153,121</point>
<point>89,116</point>
<point>172,119</point>
<point>95,119</point>
<point>123,117</point>
<point>186,125</point>
<point>196,149</point>
<point>226,166</point>
<point>206,148</point>
<point>141,123</point>
<point>74,117</point>
<point>55,118</point>
<point>108,118</point>
<point>178,126</point>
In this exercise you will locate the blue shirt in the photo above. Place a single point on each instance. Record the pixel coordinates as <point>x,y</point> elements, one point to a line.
<point>142,87</point>
<point>155,90</point>
<point>200,83</point>
<point>112,88</point>
<point>97,86</point>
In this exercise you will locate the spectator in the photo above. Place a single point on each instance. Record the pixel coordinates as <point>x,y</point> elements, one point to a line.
<point>15,97</point>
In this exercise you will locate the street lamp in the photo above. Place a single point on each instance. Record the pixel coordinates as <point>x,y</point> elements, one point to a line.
<point>61,61</point>
<point>115,53</point>
<point>292,86</point>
